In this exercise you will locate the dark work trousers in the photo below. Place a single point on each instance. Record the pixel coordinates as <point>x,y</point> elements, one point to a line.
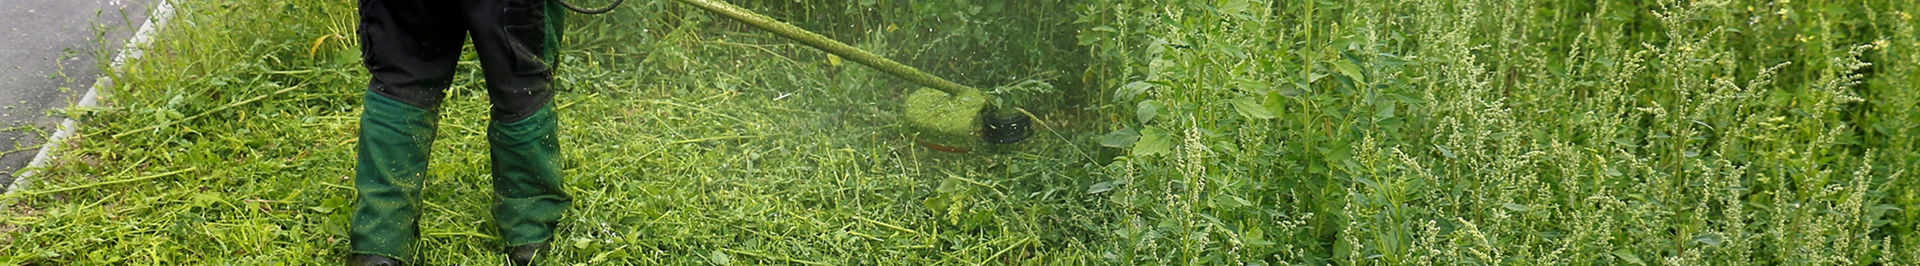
<point>411,47</point>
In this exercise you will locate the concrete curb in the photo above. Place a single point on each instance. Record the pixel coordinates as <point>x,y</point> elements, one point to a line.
<point>133,49</point>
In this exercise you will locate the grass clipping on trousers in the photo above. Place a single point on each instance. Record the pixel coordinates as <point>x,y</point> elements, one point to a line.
<point>945,119</point>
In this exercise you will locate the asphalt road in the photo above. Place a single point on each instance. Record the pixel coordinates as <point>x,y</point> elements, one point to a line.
<point>50,52</point>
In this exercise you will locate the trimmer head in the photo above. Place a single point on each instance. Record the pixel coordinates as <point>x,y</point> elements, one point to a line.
<point>944,121</point>
<point>957,123</point>
<point>1006,130</point>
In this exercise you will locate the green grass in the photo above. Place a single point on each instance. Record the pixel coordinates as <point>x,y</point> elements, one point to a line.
<point>692,141</point>
<point>1184,132</point>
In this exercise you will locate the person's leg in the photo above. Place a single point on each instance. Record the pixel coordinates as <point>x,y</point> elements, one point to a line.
<point>410,48</point>
<point>517,41</point>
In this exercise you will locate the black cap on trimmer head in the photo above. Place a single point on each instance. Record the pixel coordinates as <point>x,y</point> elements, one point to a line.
<point>999,130</point>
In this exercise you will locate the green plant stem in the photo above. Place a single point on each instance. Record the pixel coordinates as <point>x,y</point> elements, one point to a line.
<point>742,252</point>
<point>887,225</point>
<point>215,110</point>
<point>706,139</point>
<point>129,180</point>
<point>469,234</point>
<point>1010,248</point>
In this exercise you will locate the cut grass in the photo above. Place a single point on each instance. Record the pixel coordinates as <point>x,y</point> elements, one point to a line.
<point>685,144</point>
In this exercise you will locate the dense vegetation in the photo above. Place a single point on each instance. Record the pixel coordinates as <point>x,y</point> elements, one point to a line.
<point>1238,132</point>
<point>1512,132</point>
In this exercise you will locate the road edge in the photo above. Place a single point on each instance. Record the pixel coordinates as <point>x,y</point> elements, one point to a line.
<point>133,49</point>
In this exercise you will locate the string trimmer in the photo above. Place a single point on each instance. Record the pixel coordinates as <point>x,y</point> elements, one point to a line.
<point>948,117</point>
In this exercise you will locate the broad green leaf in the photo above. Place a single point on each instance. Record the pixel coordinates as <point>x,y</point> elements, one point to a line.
<point>1153,140</point>
<point>1878,212</point>
<point>1403,97</point>
<point>347,56</point>
<point>1624,141</point>
<point>720,258</point>
<point>1384,110</point>
<point>935,203</point>
<point>1234,50</point>
<point>1234,7</point>
<point>1252,85</point>
<point>1089,37</point>
<point>1274,103</point>
<point>1344,43</point>
<point>1254,237</point>
<point>1097,188</point>
<point>1389,60</point>
<point>1251,108</point>
<point>1120,138</point>
<point>1227,202</point>
<point>1350,70</point>
<point>1367,181</point>
<point>1549,233</point>
<point>205,200</point>
<point>1147,110</point>
<point>1156,48</point>
<point>1628,256</point>
<point>1128,92</point>
<point>1289,91</point>
<point>614,254</point>
<point>1882,208</point>
<point>1094,35</point>
<point>1337,151</point>
<point>1516,207</point>
<point>1159,66</point>
<point>951,185</point>
<point>1711,239</point>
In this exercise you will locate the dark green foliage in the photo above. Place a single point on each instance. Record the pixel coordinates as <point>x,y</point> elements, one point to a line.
<point>1510,132</point>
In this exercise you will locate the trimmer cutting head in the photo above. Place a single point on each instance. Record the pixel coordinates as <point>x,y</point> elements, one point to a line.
<point>944,121</point>
<point>1006,130</point>
<point>957,123</point>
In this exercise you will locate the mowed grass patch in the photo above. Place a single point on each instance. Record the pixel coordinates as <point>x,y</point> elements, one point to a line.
<point>686,140</point>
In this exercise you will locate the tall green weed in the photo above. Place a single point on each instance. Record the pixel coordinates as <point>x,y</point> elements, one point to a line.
<point>1495,132</point>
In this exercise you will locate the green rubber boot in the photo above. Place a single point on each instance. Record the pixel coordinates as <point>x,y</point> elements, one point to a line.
<point>390,169</point>
<point>527,188</point>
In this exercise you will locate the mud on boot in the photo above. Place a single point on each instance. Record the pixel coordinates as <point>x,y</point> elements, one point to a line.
<point>523,255</point>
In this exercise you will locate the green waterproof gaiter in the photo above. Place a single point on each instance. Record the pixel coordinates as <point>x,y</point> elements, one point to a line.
<point>526,177</point>
<point>390,169</point>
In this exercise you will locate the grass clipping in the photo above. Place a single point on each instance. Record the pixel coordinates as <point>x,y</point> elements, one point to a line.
<point>945,119</point>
